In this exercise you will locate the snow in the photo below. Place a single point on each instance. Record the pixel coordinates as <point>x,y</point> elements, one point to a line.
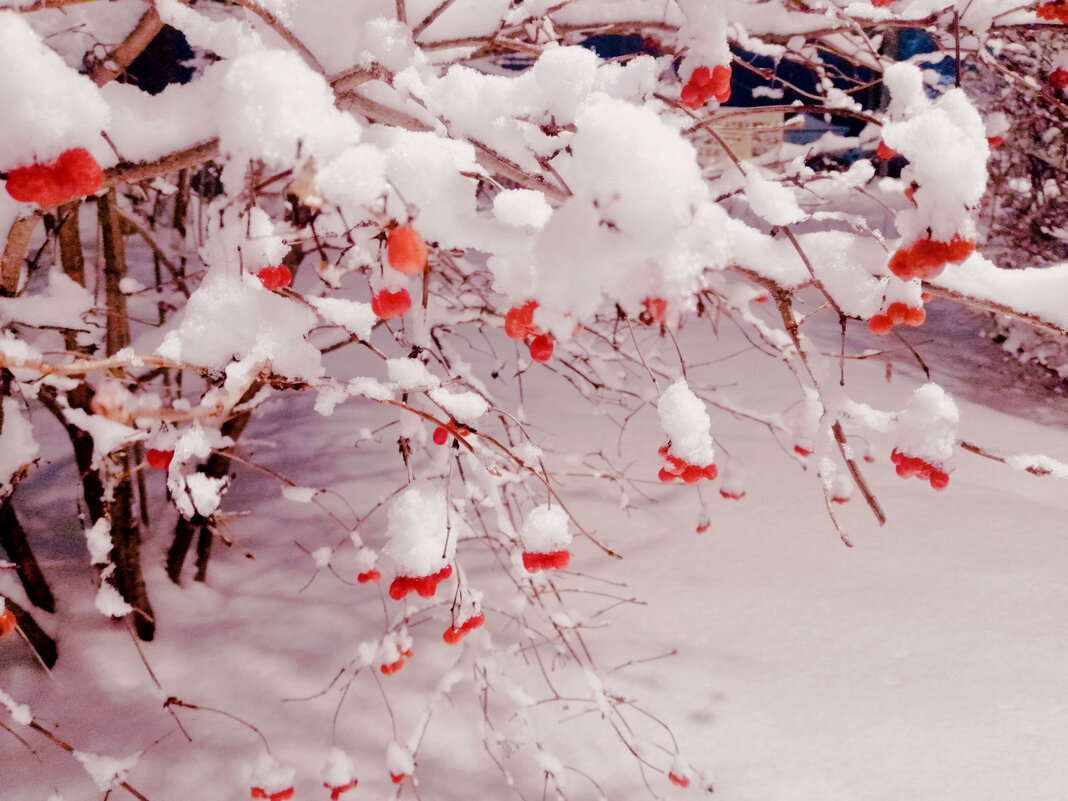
<point>48,108</point>
<point>110,603</point>
<point>20,713</point>
<point>465,407</point>
<point>770,200</point>
<point>684,419</point>
<point>62,302</point>
<point>350,315</point>
<point>271,776</point>
<point>105,771</point>
<point>419,541</point>
<point>98,539</point>
<point>339,769</point>
<point>18,449</point>
<point>545,530</point>
<point>299,494</point>
<point>410,374</point>
<point>108,435</point>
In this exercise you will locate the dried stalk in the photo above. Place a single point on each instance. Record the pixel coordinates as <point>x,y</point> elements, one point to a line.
<point>115,63</point>
<point>18,243</point>
<point>15,543</point>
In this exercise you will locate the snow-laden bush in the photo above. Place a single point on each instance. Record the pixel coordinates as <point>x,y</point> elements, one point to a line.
<point>410,213</point>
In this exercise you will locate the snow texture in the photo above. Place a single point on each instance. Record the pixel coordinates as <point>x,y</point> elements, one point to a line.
<point>685,420</point>
<point>545,530</point>
<point>18,448</point>
<point>419,542</point>
<point>106,772</point>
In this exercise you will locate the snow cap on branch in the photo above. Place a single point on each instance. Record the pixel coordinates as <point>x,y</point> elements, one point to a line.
<point>685,420</point>
<point>417,531</point>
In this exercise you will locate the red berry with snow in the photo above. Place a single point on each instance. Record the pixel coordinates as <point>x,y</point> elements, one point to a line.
<point>369,577</point>
<point>335,792</point>
<point>555,560</point>
<point>680,781</point>
<point>880,325</point>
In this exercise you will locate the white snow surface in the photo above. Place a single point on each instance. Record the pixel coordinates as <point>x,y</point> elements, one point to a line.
<point>545,530</point>
<point>18,448</point>
<point>419,541</point>
<point>685,420</point>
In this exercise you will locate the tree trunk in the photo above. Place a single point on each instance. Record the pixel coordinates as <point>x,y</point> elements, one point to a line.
<point>14,542</point>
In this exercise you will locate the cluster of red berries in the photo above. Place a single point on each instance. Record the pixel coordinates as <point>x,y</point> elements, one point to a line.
<point>1056,11</point>
<point>369,576</point>
<point>74,174</point>
<point>274,278</point>
<point>1058,79</point>
<point>680,781</point>
<point>397,778</point>
<point>441,433</point>
<point>393,667</point>
<point>926,258</point>
<point>388,304</point>
<point>553,560</point>
<point>159,460</point>
<point>897,314</point>
<point>908,466</point>
<point>335,792</point>
<point>453,634</point>
<point>655,311</point>
<point>406,251</point>
<point>281,795</point>
<point>519,324</point>
<point>424,586</point>
<point>705,84</point>
<point>680,468</point>
<point>7,622</point>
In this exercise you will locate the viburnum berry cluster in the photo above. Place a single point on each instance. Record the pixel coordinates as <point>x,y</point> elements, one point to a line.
<point>158,459</point>
<point>706,83</point>
<point>424,586</point>
<point>441,433</point>
<point>679,469</point>
<point>534,561</point>
<point>927,258</point>
<point>74,174</point>
<point>897,313</point>
<point>277,277</point>
<point>1055,12</point>
<point>369,577</point>
<point>281,795</point>
<point>519,324</point>
<point>909,466</point>
<point>393,667</point>
<point>453,634</point>
<point>337,790</point>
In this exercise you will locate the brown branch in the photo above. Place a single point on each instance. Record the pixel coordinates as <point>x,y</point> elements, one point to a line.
<point>18,243</point>
<point>993,306</point>
<point>428,20</point>
<point>115,63</point>
<point>284,33</point>
<point>128,173</point>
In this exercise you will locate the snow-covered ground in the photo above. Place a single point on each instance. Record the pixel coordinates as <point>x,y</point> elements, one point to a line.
<point>924,662</point>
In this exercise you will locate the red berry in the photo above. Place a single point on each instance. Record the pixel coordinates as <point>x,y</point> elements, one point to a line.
<point>1058,79</point>
<point>369,576</point>
<point>939,479</point>
<point>655,309</point>
<point>473,622</point>
<point>388,305</point>
<point>691,96</point>
<point>995,141</point>
<point>541,348</point>
<point>397,777</point>
<point>896,312</point>
<point>701,77</point>
<point>8,622</point>
<point>885,152</point>
<point>159,460</point>
<point>762,299</point>
<point>681,781</point>
<point>703,527</point>
<point>910,193</point>
<point>77,172</point>
<point>802,451</point>
<point>441,436</point>
<point>452,635</point>
<point>406,251</point>
<point>915,317</point>
<point>839,499</point>
<point>734,496</point>
<point>692,474</point>
<point>901,264</point>
<point>666,476</point>
<point>29,184</point>
<point>721,83</point>
<point>335,792</point>
<point>519,321</point>
<point>711,471</point>
<point>274,278</point>
<point>959,249</point>
<point>555,560</point>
